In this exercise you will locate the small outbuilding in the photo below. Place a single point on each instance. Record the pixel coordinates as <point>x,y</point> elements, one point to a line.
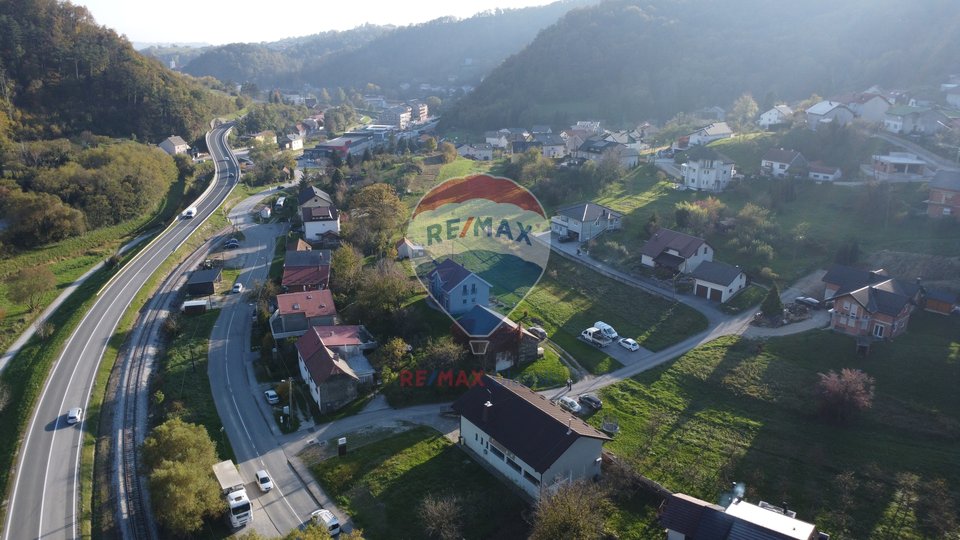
<point>718,281</point>
<point>204,282</point>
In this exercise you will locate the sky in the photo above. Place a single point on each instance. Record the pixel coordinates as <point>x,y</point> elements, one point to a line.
<point>218,22</point>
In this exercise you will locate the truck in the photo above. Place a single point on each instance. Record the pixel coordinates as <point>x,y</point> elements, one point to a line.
<point>595,336</point>
<point>231,486</point>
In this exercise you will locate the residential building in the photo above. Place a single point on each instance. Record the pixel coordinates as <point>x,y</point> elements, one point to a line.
<point>174,145</point>
<point>317,212</point>
<point>899,166</point>
<point>349,343</point>
<point>456,289</point>
<point>867,106</point>
<point>478,151</point>
<point>584,221</point>
<point>306,270</point>
<point>718,281</point>
<point>525,438</point>
<point>419,110</point>
<point>780,163</point>
<point>267,137</point>
<point>828,112</point>
<point>406,249</point>
<point>540,129</point>
<point>940,301</point>
<point>944,199</point>
<point>906,119</point>
<point>333,384</point>
<point>508,343</point>
<point>298,311</point>
<point>204,282</point>
<point>688,518</point>
<point>292,141</point>
<point>496,139</point>
<point>823,173</point>
<point>675,250</point>
<point>707,174</point>
<point>710,133</point>
<point>597,148</point>
<point>869,303</point>
<point>591,126</point>
<point>552,145</point>
<point>574,139</point>
<point>779,114</point>
<point>399,116</point>
<point>714,112</point>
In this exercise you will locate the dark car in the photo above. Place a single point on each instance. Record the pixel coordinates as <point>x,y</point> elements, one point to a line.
<point>807,301</point>
<point>232,243</point>
<point>592,401</point>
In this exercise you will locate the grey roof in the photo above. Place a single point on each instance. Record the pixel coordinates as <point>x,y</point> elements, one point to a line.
<point>848,278</point>
<point>700,520</point>
<point>587,211</point>
<point>824,107</point>
<point>549,139</point>
<point>451,274</point>
<point>717,272</point>
<point>945,179</point>
<point>315,257</point>
<point>309,192</point>
<point>879,300</point>
<point>177,140</point>
<point>716,128</point>
<point>204,276</point>
<point>779,155</point>
<point>941,295</point>
<point>596,145</point>
<point>665,239</point>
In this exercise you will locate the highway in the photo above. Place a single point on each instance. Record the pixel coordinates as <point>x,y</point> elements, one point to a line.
<point>44,499</point>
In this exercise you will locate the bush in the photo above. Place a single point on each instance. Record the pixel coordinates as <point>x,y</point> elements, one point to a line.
<point>841,394</point>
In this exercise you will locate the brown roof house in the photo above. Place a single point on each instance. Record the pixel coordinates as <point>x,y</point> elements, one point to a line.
<point>678,251</point>
<point>944,200</point>
<point>869,304</point>
<point>349,342</point>
<point>298,311</point>
<point>525,438</point>
<point>333,383</point>
<point>306,270</point>
<point>689,518</point>
<point>508,343</point>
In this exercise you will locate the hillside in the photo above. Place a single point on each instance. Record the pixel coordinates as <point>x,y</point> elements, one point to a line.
<point>441,51</point>
<point>628,60</point>
<point>62,74</point>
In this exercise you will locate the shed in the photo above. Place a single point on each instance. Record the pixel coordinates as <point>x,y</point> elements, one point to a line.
<point>195,307</point>
<point>204,282</point>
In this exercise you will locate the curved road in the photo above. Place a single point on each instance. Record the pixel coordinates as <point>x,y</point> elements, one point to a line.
<point>44,500</point>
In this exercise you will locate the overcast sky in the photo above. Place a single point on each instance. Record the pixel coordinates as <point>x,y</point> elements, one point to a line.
<point>218,21</point>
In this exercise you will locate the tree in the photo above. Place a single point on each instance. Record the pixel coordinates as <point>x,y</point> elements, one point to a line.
<point>30,285</point>
<point>376,212</point>
<point>441,353</point>
<point>841,394</point>
<point>442,517</point>
<point>179,457</point>
<point>390,354</point>
<point>448,152</point>
<point>936,509</point>
<point>346,264</point>
<point>382,290</point>
<point>574,512</point>
<point>744,110</point>
<point>772,306</point>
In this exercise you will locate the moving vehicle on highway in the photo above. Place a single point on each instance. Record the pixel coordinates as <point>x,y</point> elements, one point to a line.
<point>189,213</point>
<point>74,415</point>
<point>263,481</point>
<point>239,511</point>
<point>326,518</point>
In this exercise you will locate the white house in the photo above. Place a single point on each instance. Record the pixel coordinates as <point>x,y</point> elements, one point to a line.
<point>479,151</point>
<point>525,438</point>
<point>553,145</point>
<point>292,141</point>
<point>708,134</point>
<point>778,162</point>
<point>828,112</point>
<point>406,249</point>
<point>867,106</point>
<point>707,174</point>
<point>583,221</point>
<point>675,250</point>
<point>718,281</point>
<point>174,145</point>
<point>823,173</point>
<point>496,139</point>
<point>456,289</point>
<point>777,115</point>
<point>318,213</point>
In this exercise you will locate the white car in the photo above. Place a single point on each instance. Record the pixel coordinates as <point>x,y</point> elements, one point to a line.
<point>238,287</point>
<point>629,344</point>
<point>606,329</point>
<point>272,397</point>
<point>327,519</point>
<point>263,481</point>
<point>570,404</point>
<point>74,415</point>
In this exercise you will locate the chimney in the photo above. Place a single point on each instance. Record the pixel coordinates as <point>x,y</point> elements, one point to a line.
<point>486,411</point>
<point>786,509</point>
<point>569,426</point>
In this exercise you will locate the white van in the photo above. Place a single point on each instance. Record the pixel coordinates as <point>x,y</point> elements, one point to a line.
<point>606,329</point>
<point>189,212</point>
<point>327,519</point>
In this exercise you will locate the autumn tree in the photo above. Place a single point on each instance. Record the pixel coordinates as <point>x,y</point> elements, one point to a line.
<point>448,152</point>
<point>430,146</point>
<point>346,263</point>
<point>839,395</point>
<point>29,286</point>
<point>376,212</point>
<point>442,517</point>
<point>745,109</point>
<point>576,511</point>
<point>441,353</point>
<point>390,354</point>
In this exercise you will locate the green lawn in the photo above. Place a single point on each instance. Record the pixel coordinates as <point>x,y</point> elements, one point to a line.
<point>730,411</point>
<point>509,275</point>
<point>462,167</point>
<point>571,297</point>
<point>751,296</point>
<point>543,373</point>
<point>381,485</point>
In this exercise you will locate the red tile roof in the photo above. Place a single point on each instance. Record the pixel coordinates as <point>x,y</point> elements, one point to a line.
<point>310,303</point>
<point>300,276</point>
<point>339,336</point>
<point>321,362</point>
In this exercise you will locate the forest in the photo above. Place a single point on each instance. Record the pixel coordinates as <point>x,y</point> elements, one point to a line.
<point>624,61</point>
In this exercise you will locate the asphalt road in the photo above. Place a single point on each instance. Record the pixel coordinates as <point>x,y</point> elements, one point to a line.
<point>44,500</point>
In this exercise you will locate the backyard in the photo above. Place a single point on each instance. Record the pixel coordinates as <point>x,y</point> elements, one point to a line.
<point>741,410</point>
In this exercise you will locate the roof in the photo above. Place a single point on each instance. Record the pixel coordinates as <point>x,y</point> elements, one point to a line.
<point>451,274</point>
<point>310,214</point>
<point>819,167</point>
<point>587,211</point>
<point>597,145</point>
<point>483,321</point>
<point>683,513</point>
<point>665,239</point>
<point>321,362</point>
<point>407,242</point>
<point>905,110</point>
<point>310,303</point>
<point>342,335</point>
<point>176,140</point>
<point>772,523</point>
<point>782,109</point>
<point>945,179</point>
<point>312,258</point>
<point>204,276</point>
<point>717,272</point>
<point>298,245</point>
<point>888,298</point>
<point>301,276</point>
<point>717,128</point>
<point>780,155</point>
<point>549,139</point>
<point>848,278</point>
<point>941,295</point>
<point>523,422</point>
<point>824,107</point>
<point>700,520</point>
<point>309,192</point>
<point>900,158</point>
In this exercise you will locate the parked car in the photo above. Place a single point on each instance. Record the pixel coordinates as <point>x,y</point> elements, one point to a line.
<point>272,397</point>
<point>606,329</point>
<point>592,401</point>
<point>539,332</point>
<point>238,287</point>
<point>570,404</point>
<point>327,519</point>
<point>807,301</point>
<point>629,344</point>
<point>232,243</point>
<point>264,481</point>
<point>74,415</point>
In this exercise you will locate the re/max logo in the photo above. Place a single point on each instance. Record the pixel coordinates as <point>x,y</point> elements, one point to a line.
<point>481,226</point>
<point>443,378</point>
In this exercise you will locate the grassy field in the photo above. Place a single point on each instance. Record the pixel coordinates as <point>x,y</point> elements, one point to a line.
<point>509,275</point>
<point>751,296</point>
<point>571,297</point>
<point>732,411</point>
<point>381,485</point>
<point>543,373</point>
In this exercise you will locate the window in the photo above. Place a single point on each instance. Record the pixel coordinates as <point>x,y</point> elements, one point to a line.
<point>946,211</point>
<point>704,250</point>
<point>495,451</point>
<point>464,300</point>
<point>473,288</point>
<point>476,436</point>
<point>513,465</point>
<point>878,330</point>
<point>853,310</point>
<point>530,478</point>
<point>464,289</point>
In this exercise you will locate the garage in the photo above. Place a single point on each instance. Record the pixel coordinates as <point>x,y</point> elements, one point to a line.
<point>702,290</point>
<point>717,281</point>
<point>716,295</point>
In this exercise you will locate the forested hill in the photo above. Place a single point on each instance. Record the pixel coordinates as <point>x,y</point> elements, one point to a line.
<point>436,52</point>
<point>632,60</point>
<point>62,74</point>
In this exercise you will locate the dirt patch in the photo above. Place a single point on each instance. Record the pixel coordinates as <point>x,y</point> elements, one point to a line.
<point>936,271</point>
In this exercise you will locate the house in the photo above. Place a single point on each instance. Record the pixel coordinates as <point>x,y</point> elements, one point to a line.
<point>525,438</point>
<point>591,126</point>
<point>520,146</point>
<point>496,139</point>
<point>823,173</point>
<point>899,166</point>
<point>574,138</point>
<point>596,148</point>
<point>675,250</point>
<point>333,384</point>
<point>306,270</point>
<point>718,281</point>
<point>479,151</point>
<point>349,342</point>
<point>828,112</point>
<point>174,145</point>
<point>779,114</point>
<point>940,301</point>
<point>265,137</point>
<point>779,163</point>
<point>710,133</point>
<point>329,240</point>
<point>292,141</point>
<point>318,213</point>
<point>584,221</point>
<point>508,343</point>
<point>419,110</point>
<point>540,128</point>
<point>298,311</point>
<point>707,174</point>
<point>944,199</point>
<point>688,518</point>
<point>714,112</point>
<point>457,289</point>
<point>869,303</point>
<point>906,119</point>
<point>551,144</point>
<point>406,249</point>
<point>869,107</point>
<point>203,282</point>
